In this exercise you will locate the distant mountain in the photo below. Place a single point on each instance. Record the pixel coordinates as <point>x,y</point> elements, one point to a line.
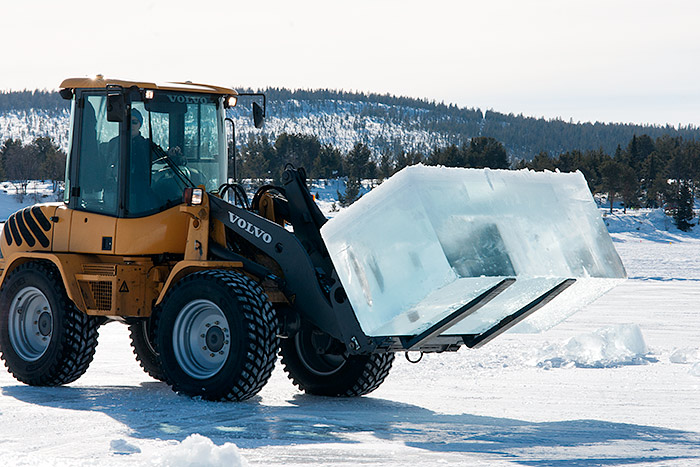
<point>383,122</point>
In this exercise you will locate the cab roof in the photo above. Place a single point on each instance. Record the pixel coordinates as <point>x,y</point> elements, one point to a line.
<point>100,81</point>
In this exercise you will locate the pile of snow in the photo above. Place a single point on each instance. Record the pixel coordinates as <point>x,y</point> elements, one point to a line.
<point>609,347</point>
<point>650,224</point>
<point>695,370</point>
<point>198,450</point>
<point>123,447</point>
<point>687,356</point>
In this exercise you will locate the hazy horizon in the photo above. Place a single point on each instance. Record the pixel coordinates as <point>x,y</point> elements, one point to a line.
<point>627,61</point>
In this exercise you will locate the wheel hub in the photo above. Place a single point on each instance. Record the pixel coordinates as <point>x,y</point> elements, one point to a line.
<point>313,349</point>
<point>201,339</point>
<point>30,323</point>
<point>215,338</point>
<point>44,323</point>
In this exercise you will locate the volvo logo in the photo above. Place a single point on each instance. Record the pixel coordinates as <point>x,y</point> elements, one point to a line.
<point>187,99</point>
<point>249,228</point>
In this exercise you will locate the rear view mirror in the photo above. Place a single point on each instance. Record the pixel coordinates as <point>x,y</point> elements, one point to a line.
<point>258,115</point>
<point>116,107</point>
<point>66,94</point>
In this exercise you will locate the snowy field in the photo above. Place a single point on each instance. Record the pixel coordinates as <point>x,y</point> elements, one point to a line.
<point>616,384</point>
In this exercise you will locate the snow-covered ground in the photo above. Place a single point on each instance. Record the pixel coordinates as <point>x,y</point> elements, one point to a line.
<point>615,384</point>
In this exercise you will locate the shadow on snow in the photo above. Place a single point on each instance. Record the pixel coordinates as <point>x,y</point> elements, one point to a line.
<point>153,411</point>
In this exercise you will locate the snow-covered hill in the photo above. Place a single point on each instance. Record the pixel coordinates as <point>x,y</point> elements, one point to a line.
<point>384,123</point>
<point>27,125</point>
<point>339,123</point>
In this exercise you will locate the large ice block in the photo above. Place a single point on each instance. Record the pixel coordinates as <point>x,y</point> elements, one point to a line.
<point>431,239</point>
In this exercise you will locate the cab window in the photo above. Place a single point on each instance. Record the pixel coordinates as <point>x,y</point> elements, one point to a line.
<point>99,149</point>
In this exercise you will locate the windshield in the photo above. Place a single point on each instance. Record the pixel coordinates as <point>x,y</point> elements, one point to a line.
<point>176,140</point>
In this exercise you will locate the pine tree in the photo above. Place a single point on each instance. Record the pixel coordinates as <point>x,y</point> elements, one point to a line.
<point>385,167</point>
<point>629,188</point>
<point>329,163</point>
<point>358,163</point>
<point>486,152</point>
<point>684,210</point>
<point>541,161</point>
<point>352,192</point>
<point>611,172</point>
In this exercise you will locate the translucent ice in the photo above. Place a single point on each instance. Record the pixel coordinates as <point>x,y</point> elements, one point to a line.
<point>431,239</point>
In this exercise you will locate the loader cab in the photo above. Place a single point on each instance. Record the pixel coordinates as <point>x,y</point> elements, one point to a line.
<point>135,147</point>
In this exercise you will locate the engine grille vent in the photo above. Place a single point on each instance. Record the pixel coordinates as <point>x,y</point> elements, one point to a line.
<point>100,269</point>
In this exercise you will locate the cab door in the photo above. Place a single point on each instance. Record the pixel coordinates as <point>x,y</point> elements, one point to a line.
<point>94,176</point>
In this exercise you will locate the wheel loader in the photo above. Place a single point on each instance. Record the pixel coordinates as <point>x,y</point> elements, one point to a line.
<point>213,282</point>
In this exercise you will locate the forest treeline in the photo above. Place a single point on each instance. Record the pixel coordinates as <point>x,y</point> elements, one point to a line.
<point>523,137</point>
<point>26,100</point>
<point>42,159</point>
<point>646,172</point>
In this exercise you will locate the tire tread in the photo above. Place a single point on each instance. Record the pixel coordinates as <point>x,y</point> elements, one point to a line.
<point>349,382</point>
<point>77,347</point>
<point>261,326</point>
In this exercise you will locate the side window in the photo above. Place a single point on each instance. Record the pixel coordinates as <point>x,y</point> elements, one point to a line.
<point>202,144</point>
<point>99,158</point>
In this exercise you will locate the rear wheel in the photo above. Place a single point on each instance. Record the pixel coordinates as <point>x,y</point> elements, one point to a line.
<point>142,342</point>
<point>318,364</point>
<point>44,339</point>
<point>216,336</point>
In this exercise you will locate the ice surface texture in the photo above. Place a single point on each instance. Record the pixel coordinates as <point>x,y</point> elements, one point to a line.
<point>431,239</point>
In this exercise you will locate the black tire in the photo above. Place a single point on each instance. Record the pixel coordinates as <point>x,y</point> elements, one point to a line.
<point>141,334</point>
<point>44,339</point>
<point>317,364</point>
<point>216,336</point>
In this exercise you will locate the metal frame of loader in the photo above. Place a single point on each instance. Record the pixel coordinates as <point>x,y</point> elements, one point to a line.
<point>311,285</point>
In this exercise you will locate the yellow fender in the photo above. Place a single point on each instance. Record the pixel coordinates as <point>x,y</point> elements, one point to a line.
<point>184,268</point>
<point>68,266</point>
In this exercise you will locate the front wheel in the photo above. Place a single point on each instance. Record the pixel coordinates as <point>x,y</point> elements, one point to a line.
<point>319,364</point>
<point>216,336</point>
<point>44,339</point>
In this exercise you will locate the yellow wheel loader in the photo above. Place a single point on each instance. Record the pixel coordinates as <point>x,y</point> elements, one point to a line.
<point>212,290</point>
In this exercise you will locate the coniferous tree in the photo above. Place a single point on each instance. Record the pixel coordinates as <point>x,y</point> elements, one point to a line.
<point>358,163</point>
<point>52,161</point>
<point>256,158</point>
<point>385,167</point>
<point>406,159</point>
<point>21,163</point>
<point>296,149</point>
<point>542,161</point>
<point>352,192</point>
<point>683,212</point>
<point>450,156</point>
<point>629,188</point>
<point>651,172</point>
<point>486,152</point>
<point>612,174</point>
<point>329,163</point>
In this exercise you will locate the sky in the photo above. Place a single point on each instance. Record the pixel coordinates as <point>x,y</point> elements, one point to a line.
<point>632,61</point>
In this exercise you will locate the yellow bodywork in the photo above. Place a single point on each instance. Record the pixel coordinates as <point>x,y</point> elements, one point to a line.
<point>100,81</point>
<point>106,262</point>
<point>114,266</point>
